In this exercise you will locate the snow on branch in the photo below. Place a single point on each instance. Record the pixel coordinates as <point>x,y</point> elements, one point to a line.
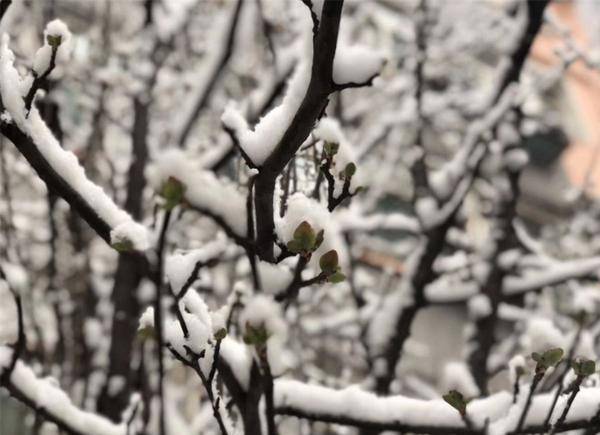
<point>351,219</point>
<point>555,274</point>
<point>353,406</point>
<point>182,267</point>
<point>258,143</point>
<point>58,168</point>
<point>201,190</point>
<point>356,66</point>
<point>53,404</point>
<point>534,280</point>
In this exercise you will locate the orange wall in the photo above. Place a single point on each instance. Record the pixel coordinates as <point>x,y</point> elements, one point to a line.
<point>582,86</point>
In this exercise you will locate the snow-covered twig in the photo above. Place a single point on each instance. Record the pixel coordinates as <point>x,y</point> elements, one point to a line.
<point>206,89</point>
<point>54,405</point>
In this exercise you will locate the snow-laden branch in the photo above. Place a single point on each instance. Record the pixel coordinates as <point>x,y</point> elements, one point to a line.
<point>202,191</point>
<point>58,168</point>
<point>554,274</point>
<point>355,66</point>
<point>181,268</point>
<point>355,407</point>
<point>390,327</point>
<point>54,405</point>
<point>279,135</point>
<point>350,219</point>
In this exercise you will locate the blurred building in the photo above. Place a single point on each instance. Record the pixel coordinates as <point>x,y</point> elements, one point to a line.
<point>565,161</point>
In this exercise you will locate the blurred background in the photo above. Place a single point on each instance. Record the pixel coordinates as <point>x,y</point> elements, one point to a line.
<point>90,106</point>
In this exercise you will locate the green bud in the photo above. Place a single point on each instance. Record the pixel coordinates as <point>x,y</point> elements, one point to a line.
<point>221,334</point>
<point>173,192</point>
<point>319,239</point>
<point>329,262</point>
<point>146,333</point>
<point>457,401</point>
<point>304,239</point>
<point>584,367</point>
<point>255,336</point>
<point>123,245</point>
<point>549,358</point>
<point>54,40</point>
<point>350,170</point>
<point>331,148</point>
<point>336,277</point>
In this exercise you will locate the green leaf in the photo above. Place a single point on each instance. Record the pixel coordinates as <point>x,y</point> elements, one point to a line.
<point>552,356</point>
<point>319,239</point>
<point>173,192</point>
<point>54,40</point>
<point>305,237</point>
<point>146,333</point>
<point>255,336</point>
<point>549,358</point>
<point>350,170</point>
<point>584,367</point>
<point>123,245</point>
<point>221,334</point>
<point>329,262</point>
<point>294,246</point>
<point>336,278</point>
<point>331,148</point>
<point>456,400</point>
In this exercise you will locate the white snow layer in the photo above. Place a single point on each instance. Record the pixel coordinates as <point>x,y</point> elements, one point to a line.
<point>260,142</point>
<point>354,404</point>
<point>355,63</point>
<point>180,265</point>
<point>262,310</point>
<point>12,89</point>
<point>44,394</point>
<point>41,60</point>
<point>202,189</point>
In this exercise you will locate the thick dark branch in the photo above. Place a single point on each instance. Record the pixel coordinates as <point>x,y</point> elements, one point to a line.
<point>436,237</point>
<point>535,11</point>
<point>54,181</point>
<point>485,335</point>
<point>311,108</point>
<point>129,273</point>
<point>4,4</point>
